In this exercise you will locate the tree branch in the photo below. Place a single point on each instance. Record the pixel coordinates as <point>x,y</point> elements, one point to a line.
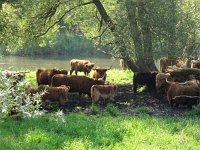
<point>83,4</point>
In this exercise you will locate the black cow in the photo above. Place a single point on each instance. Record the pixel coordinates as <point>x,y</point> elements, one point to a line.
<point>144,78</point>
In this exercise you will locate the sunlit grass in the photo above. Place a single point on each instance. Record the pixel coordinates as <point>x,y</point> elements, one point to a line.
<point>117,76</point>
<point>80,131</point>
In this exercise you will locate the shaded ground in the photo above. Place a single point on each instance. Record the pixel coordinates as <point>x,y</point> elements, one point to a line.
<point>129,103</point>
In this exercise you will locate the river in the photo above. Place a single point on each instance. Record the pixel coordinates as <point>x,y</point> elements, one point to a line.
<point>16,63</point>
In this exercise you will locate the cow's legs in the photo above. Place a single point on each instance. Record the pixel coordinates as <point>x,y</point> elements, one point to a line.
<point>76,72</point>
<point>71,71</point>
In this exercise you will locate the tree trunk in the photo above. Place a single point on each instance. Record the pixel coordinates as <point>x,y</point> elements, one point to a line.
<point>141,64</point>
<point>118,40</point>
<point>172,34</point>
<point>142,39</point>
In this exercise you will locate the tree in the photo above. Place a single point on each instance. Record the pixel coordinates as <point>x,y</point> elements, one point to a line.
<point>136,30</point>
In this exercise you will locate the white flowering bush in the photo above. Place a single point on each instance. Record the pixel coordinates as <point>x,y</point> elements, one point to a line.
<point>14,99</point>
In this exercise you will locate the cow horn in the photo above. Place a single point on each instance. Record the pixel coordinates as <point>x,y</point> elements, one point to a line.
<point>109,68</point>
<point>168,81</point>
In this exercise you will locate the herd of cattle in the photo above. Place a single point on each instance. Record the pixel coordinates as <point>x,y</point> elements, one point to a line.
<point>186,93</point>
<point>58,83</point>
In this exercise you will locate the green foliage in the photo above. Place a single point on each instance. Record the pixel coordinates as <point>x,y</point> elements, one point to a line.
<point>54,27</point>
<point>112,110</point>
<point>14,99</point>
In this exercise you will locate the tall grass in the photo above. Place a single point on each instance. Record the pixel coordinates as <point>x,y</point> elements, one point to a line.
<point>79,131</point>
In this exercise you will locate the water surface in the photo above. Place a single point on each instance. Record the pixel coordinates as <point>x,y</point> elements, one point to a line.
<point>17,63</point>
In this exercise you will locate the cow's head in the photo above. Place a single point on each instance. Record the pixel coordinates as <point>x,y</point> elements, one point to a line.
<point>89,66</point>
<point>161,81</point>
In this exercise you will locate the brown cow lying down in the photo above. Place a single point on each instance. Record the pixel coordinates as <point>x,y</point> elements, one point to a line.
<point>44,75</point>
<point>164,62</point>
<point>81,65</point>
<point>163,83</point>
<point>183,95</point>
<point>54,94</point>
<point>81,84</point>
<point>99,74</point>
<point>103,91</point>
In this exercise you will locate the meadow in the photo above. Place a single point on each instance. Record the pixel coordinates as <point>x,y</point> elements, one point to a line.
<point>109,129</point>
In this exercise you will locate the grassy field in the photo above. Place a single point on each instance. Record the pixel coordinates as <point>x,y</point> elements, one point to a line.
<point>105,130</point>
<point>78,131</point>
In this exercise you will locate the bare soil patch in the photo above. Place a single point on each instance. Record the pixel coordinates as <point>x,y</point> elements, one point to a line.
<point>129,103</point>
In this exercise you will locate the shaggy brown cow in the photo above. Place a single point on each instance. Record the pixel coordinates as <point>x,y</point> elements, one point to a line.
<point>54,94</point>
<point>164,62</point>
<point>123,64</point>
<point>161,84</point>
<point>145,78</point>
<point>103,91</point>
<point>195,64</point>
<point>81,65</point>
<point>180,63</point>
<point>80,84</point>
<point>183,94</point>
<point>99,73</point>
<point>44,75</point>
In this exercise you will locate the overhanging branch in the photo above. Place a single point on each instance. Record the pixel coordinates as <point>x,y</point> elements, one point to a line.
<point>83,4</point>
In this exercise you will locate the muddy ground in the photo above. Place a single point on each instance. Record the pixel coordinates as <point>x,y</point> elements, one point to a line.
<point>129,103</point>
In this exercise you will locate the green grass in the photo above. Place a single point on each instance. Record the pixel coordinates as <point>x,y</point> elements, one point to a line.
<point>117,76</point>
<point>108,130</point>
<point>79,131</point>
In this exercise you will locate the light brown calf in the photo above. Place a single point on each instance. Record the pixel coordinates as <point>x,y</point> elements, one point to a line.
<point>103,91</point>
<point>54,94</point>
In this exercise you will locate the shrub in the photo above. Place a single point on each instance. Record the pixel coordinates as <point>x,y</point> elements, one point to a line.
<point>14,100</point>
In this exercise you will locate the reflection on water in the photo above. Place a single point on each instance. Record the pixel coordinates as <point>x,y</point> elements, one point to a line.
<point>33,63</point>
